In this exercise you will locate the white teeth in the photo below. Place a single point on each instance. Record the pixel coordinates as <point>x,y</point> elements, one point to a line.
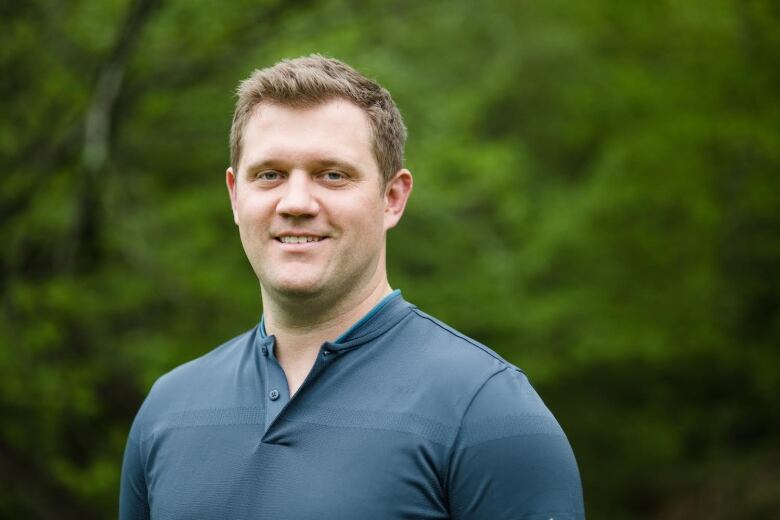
<point>298,240</point>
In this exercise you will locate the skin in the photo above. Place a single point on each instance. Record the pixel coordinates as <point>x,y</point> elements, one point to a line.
<point>311,172</point>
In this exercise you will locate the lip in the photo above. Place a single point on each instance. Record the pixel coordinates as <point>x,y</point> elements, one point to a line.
<point>313,242</point>
<point>301,245</point>
<point>298,233</point>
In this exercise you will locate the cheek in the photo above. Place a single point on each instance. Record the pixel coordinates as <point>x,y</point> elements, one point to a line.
<point>252,210</point>
<point>367,224</point>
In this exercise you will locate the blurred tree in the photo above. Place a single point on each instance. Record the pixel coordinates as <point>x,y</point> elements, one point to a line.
<point>596,192</point>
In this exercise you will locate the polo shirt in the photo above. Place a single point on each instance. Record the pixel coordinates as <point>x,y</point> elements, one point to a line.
<point>401,417</point>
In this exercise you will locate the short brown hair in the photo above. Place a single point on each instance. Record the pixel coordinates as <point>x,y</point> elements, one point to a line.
<point>314,79</point>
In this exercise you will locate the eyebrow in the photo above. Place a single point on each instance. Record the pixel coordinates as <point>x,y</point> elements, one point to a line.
<point>261,165</point>
<point>335,163</point>
<point>280,164</point>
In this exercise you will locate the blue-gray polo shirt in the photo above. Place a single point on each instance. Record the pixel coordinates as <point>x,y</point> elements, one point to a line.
<point>401,417</point>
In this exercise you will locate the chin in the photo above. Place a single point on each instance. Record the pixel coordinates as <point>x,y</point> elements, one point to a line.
<point>297,292</point>
<point>294,288</point>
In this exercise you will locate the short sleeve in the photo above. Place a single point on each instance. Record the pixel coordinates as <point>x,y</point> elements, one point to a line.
<point>511,459</point>
<point>133,503</point>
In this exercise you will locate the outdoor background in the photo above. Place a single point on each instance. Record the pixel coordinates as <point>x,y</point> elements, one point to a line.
<point>596,199</point>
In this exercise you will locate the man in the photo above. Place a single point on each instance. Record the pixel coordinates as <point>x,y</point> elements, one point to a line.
<point>345,402</point>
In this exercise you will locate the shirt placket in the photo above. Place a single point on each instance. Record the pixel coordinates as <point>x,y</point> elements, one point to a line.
<point>277,392</point>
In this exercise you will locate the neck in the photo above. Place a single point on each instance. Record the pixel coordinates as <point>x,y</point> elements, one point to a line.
<point>300,328</point>
<point>299,334</point>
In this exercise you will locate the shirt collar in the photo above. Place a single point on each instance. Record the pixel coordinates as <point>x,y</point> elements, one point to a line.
<point>385,314</point>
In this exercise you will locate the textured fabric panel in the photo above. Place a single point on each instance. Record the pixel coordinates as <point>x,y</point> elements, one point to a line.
<point>432,431</point>
<point>204,417</point>
<point>509,426</point>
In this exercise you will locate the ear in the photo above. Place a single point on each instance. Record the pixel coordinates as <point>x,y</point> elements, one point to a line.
<point>231,180</point>
<point>397,193</point>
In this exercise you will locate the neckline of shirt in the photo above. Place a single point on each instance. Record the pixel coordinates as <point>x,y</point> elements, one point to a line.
<point>383,316</point>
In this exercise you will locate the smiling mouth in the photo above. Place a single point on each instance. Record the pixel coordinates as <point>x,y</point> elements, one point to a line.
<point>298,240</point>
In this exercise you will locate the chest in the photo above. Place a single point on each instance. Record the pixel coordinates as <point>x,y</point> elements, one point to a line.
<point>340,467</point>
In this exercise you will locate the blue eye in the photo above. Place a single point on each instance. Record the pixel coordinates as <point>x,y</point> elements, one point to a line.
<point>268,176</point>
<point>334,176</point>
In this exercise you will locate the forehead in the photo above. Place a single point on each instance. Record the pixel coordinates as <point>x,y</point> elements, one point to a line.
<point>334,129</point>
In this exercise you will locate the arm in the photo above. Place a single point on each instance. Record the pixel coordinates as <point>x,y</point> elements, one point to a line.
<point>511,460</point>
<point>133,504</point>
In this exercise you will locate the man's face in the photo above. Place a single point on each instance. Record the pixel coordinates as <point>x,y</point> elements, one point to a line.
<point>308,201</point>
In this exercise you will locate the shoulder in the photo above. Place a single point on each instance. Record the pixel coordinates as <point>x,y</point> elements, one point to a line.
<point>500,390</point>
<point>440,336</point>
<point>199,382</point>
<point>453,355</point>
<point>208,367</point>
<point>445,336</point>
<point>506,405</point>
<point>509,457</point>
<point>458,370</point>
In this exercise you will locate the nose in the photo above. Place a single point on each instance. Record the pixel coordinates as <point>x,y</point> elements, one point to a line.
<point>298,198</point>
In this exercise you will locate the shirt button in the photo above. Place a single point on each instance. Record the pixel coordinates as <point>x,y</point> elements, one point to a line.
<point>273,395</point>
<point>264,351</point>
<point>325,353</point>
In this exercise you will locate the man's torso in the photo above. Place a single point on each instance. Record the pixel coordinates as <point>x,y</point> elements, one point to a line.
<point>370,433</point>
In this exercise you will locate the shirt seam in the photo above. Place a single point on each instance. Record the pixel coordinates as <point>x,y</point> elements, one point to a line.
<point>451,454</point>
<point>463,337</point>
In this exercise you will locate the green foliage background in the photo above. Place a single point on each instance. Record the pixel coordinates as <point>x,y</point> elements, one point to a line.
<point>596,198</point>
